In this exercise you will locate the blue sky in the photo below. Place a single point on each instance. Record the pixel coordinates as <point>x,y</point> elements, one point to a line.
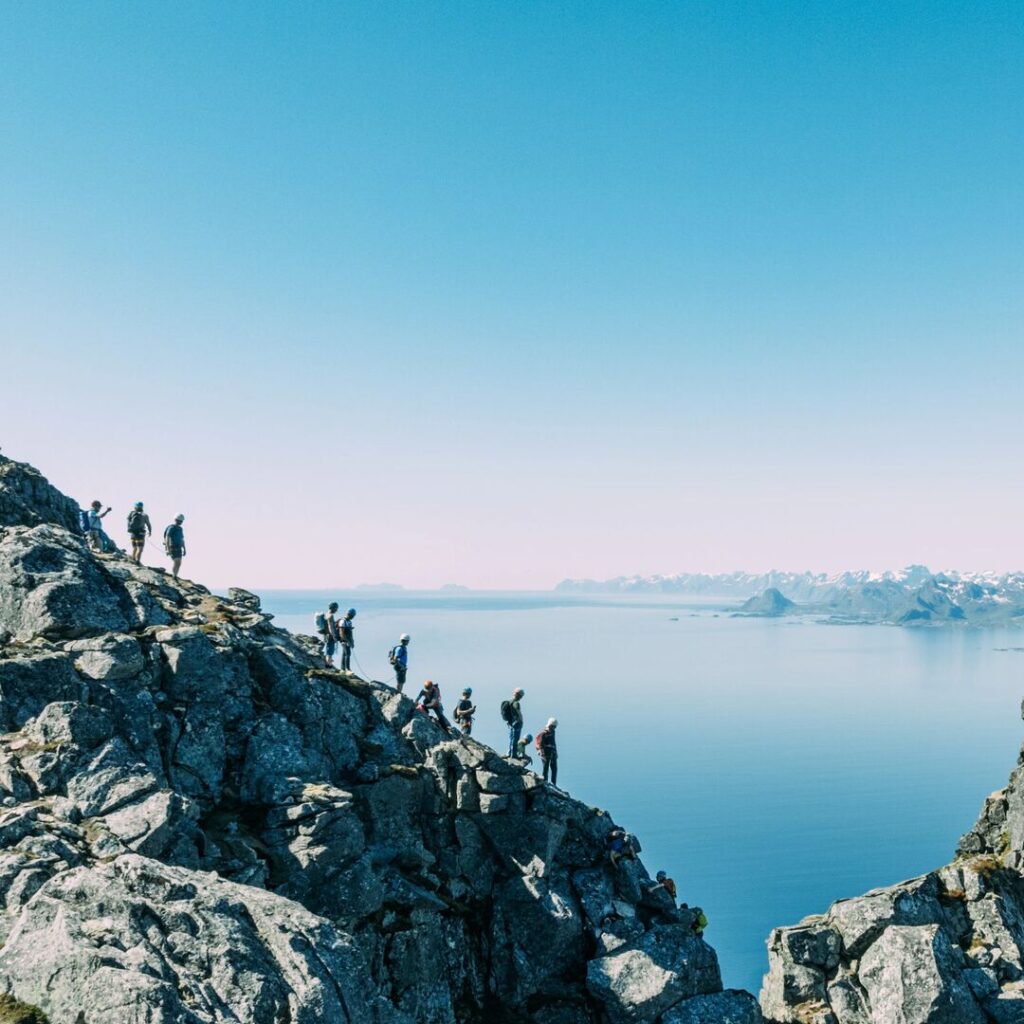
<point>498,293</point>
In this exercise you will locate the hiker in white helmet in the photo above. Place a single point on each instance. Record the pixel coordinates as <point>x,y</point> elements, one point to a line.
<point>549,750</point>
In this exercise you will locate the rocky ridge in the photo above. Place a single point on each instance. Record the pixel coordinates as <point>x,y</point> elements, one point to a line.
<point>945,948</point>
<point>199,824</point>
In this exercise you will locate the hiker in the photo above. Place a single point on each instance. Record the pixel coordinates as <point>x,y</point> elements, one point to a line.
<point>98,540</point>
<point>399,658</point>
<point>346,634</point>
<point>429,699</point>
<point>464,712</point>
<point>521,754</point>
<point>662,881</point>
<point>327,626</point>
<point>618,846</point>
<point>512,715</point>
<point>548,748</point>
<point>138,527</point>
<point>174,543</point>
<point>700,920</point>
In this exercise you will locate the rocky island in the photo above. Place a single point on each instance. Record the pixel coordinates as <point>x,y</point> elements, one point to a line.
<point>200,824</point>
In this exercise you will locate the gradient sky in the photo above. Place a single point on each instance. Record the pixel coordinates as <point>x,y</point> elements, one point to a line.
<point>498,293</point>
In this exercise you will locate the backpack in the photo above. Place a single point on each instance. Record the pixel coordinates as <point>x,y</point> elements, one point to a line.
<point>539,740</point>
<point>83,520</point>
<point>506,712</point>
<point>136,521</point>
<point>320,621</point>
<point>392,657</point>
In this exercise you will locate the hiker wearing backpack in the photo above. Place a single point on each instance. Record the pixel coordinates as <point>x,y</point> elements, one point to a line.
<point>174,543</point>
<point>512,715</point>
<point>464,711</point>
<point>429,699</point>
<point>93,524</point>
<point>399,658</point>
<point>327,626</point>
<point>548,749</point>
<point>346,635</point>
<point>139,527</point>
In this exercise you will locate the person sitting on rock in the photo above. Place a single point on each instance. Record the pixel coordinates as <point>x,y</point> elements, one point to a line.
<point>546,744</point>
<point>618,846</point>
<point>139,527</point>
<point>174,543</point>
<point>700,921</point>
<point>429,699</point>
<point>521,754</point>
<point>346,635</point>
<point>464,711</point>
<point>97,538</point>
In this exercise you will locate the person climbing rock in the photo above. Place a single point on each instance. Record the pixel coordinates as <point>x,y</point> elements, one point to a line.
<point>700,920</point>
<point>429,699</point>
<point>464,711</point>
<point>662,881</point>
<point>139,527</point>
<point>512,715</point>
<point>346,634</point>
<point>327,627</point>
<point>618,846</point>
<point>174,543</point>
<point>399,658</point>
<point>97,538</point>
<point>521,748</point>
<point>548,748</point>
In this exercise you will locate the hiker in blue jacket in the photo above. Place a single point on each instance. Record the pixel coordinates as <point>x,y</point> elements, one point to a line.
<point>174,543</point>
<point>399,658</point>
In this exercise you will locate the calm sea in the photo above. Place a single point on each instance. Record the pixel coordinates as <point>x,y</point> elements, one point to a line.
<point>770,766</point>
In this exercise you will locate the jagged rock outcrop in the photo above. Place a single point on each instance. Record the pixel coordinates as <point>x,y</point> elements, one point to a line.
<point>768,604</point>
<point>945,948</point>
<point>199,824</point>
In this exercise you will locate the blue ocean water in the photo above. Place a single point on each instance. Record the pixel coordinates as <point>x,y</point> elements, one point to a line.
<point>770,766</point>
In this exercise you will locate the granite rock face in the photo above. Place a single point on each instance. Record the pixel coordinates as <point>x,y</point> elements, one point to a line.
<point>200,824</point>
<point>945,948</point>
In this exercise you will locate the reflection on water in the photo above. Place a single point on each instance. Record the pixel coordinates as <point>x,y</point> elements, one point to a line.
<point>771,766</point>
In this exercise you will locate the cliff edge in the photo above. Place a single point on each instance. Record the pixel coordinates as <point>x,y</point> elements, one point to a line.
<point>945,948</point>
<point>199,824</point>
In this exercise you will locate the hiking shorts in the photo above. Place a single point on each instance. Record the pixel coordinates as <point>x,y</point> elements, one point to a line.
<point>138,538</point>
<point>176,553</point>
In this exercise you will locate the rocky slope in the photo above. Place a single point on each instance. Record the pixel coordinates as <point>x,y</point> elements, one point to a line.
<point>945,948</point>
<point>200,825</point>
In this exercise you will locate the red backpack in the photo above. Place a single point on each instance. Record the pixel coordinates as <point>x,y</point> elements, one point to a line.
<point>537,739</point>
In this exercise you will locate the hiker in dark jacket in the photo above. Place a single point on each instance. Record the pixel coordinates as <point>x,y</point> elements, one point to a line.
<point>512,713</point>
<point>549,750</point>
<point>429,699</point>
<point>174,543</point>
<point>139,527</point>
<point>464,711</point>
<point>346,634</point>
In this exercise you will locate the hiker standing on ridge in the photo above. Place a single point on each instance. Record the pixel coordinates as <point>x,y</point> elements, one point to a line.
<point>174,543</point>
<point>95,525</point>
<point>429,699</point>
<point>512,714</point>
<point>399,658</point>
<point>549,750</point>
<point>464,711</point>
<point>346,634</point>
<point>327,626</point>
<point>138,528</point>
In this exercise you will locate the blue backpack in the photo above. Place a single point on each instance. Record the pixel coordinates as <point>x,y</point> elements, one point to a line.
<point>83,520</point>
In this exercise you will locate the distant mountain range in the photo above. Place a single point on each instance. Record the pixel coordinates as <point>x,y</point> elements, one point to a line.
<point>906,596</point>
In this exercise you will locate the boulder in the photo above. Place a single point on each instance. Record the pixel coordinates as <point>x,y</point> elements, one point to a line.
<point>730,1007</point>
<point>641,981</point>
